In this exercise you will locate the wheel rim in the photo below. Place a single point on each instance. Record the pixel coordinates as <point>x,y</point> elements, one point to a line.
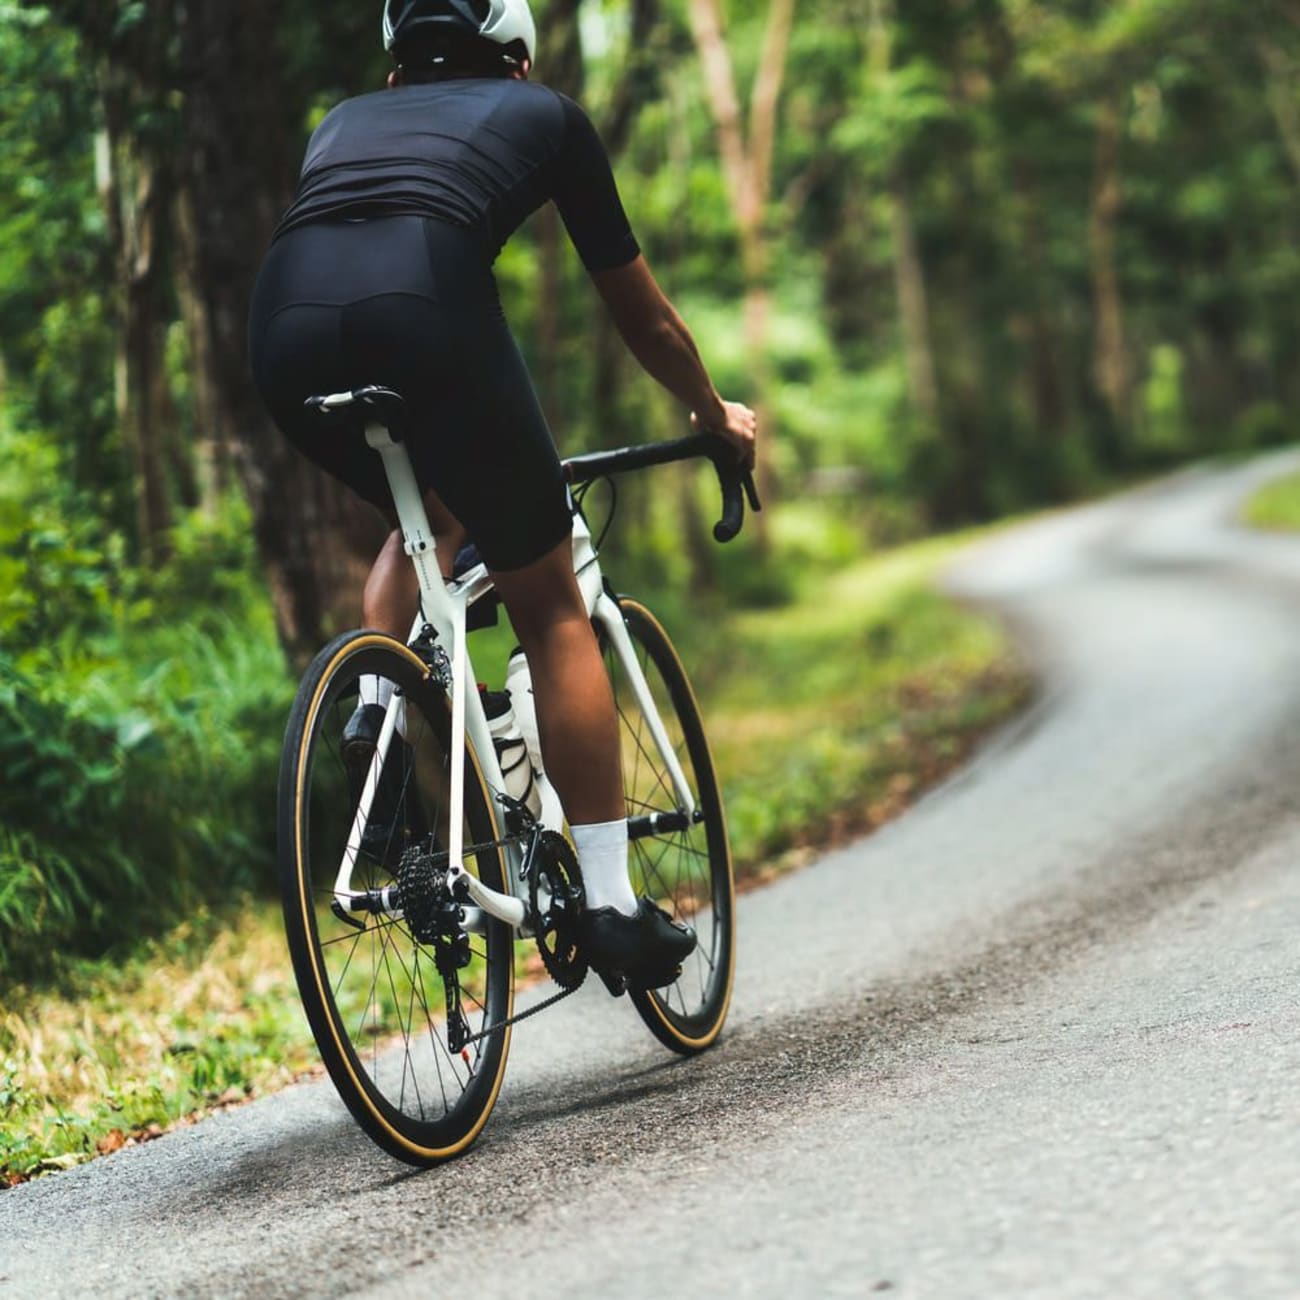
<point>684,871</point>
<point>380,989</point>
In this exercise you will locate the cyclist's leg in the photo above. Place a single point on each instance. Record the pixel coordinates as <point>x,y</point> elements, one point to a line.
<point>575,707</point>
<point>392,592</point>
<point>577,723</point>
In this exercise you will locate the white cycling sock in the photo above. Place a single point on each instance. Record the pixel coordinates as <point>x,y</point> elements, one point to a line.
<point>602,856</point>
<point>374,689</point>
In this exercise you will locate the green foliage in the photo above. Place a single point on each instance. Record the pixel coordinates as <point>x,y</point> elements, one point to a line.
<point>833,710</point>
<point>1164,425</point>
<point>139,718</point>
<point>56,338</point>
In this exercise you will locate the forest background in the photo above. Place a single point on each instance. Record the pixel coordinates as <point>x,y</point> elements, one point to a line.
<point>966,256</point>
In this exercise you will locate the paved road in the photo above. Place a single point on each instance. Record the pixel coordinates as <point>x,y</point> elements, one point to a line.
<point>1039,1037</point>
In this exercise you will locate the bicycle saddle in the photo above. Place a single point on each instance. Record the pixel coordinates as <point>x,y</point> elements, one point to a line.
<point>387,406</point>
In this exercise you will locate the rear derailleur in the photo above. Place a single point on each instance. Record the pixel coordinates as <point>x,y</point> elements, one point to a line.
<point>434,918</point>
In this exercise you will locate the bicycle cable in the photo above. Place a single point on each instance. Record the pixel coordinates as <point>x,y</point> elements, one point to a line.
<point>580,497</point>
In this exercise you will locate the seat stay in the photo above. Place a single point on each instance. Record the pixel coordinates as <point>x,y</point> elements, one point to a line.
<point>344,894</point>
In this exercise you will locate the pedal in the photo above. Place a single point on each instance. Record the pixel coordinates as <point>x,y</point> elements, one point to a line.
<point>616,984</point>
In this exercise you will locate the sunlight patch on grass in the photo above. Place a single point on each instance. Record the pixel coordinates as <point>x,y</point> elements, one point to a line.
<point>1275,506</point>
<point>836,711</point>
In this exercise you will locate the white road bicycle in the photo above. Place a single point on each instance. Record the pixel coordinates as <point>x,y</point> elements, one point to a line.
<point>411,880</point>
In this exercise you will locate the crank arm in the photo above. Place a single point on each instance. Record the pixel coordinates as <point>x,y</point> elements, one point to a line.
<point>469,889</point>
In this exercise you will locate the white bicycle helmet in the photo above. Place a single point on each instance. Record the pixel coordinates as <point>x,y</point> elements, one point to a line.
<point>504,22</point>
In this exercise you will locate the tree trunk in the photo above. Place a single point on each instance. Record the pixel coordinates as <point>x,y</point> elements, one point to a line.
<point>564,72</point>
<point>913,307</point>
<point>747,169</point>
<point>909,271</point>
<point>1280,88</point>
<point>210,452</point>
<point>136,180</point>
<point>136,198</point>
<point>314,538</point>
<point>636,84</point>
<point>1110,358</point>
<point>1046,388</point>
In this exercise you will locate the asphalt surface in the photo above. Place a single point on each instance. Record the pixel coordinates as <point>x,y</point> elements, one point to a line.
<point>1040,1037</point>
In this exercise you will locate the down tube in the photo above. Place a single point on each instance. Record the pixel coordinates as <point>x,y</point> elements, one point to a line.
<point>610,618</point>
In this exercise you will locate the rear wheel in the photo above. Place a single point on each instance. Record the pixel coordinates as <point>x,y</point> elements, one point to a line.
<point>687,871</point>
<point>374,994</point>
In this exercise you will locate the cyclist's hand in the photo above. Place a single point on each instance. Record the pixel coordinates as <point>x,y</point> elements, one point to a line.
<point>738,425</point>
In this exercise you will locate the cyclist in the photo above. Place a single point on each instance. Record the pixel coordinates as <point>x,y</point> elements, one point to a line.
<point>380,272</point>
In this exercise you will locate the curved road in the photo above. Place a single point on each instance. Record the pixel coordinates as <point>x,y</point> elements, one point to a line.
<point>1039,1037</point>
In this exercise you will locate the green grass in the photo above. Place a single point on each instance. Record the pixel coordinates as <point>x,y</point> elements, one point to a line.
<point>826,716</point>
<point>1276,505</point>
<point>205,1017</point>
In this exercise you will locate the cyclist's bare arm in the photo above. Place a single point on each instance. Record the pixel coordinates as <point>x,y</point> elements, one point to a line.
<point>658,338</point>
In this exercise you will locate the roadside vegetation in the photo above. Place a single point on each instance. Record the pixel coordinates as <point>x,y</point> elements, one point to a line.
<point>827,715</point>
<point>1276,506</point>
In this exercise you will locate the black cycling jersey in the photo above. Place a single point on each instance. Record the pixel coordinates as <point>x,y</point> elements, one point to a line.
<point>380,273</point>
<point>482,154</point>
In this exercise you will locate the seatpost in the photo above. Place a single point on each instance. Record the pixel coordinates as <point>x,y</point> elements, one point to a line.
<point>417,535</point>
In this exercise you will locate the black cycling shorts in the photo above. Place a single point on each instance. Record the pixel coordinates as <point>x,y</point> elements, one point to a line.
<point>410,303</point>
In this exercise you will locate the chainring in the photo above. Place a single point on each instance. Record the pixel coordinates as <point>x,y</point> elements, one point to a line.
<point>555,899</point>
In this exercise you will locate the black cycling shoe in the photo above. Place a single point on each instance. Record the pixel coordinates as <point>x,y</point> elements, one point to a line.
<point>644,951</point>
<point>357,742</point>
<point>396,817</point>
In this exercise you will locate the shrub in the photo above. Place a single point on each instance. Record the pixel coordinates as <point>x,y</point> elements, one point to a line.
<point>140,720</point>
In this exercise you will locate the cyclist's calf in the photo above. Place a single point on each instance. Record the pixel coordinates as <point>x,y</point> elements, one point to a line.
<point>576,719</point>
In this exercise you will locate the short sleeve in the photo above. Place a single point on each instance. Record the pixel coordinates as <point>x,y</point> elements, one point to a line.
<point>587,196</point>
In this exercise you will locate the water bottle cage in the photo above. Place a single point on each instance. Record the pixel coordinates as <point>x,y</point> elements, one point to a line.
<point>508,768</point>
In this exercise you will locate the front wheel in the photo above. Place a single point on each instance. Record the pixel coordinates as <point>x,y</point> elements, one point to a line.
<point>398,1023</point>
<point>687,872</point>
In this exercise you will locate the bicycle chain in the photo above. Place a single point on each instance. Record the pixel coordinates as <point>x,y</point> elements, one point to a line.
<point>523,1015</point>
<point>553,858</point>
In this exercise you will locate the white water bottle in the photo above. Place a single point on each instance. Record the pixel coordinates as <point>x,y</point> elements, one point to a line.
<point>512,751</point>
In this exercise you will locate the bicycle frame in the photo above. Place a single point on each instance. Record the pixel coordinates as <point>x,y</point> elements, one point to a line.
<point>444,606</point>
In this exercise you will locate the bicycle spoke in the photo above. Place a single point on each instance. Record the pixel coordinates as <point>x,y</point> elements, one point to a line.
<point>356,939</point>
<point>659,780</point>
